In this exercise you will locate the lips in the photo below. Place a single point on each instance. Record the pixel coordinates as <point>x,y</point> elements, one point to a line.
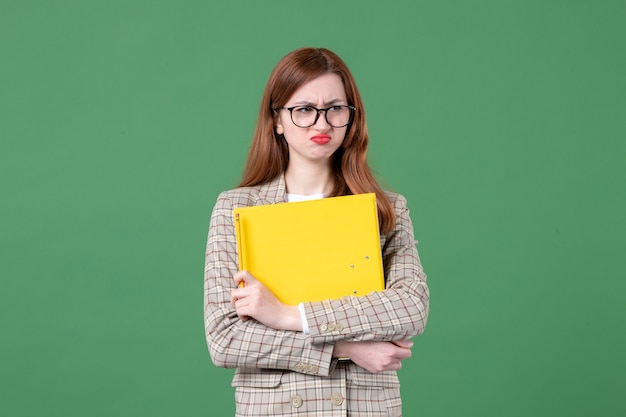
<point>321,139</point>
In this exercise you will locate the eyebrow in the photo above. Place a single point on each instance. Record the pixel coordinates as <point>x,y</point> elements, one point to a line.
<point>327,104</point>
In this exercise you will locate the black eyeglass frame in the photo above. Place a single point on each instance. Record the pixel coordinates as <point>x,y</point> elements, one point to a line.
<point>317,116</point>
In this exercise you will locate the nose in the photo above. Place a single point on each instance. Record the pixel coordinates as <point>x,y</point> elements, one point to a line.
<point>322,117</point>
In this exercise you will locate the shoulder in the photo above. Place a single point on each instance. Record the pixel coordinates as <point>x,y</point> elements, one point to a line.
<point>398,201</point>
<point>229,200</point>
<point>239,197</point>
<point>268,193</point>
<point>401,212</point>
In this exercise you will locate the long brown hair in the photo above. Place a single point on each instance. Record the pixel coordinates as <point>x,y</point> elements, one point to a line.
<point>269,154</point>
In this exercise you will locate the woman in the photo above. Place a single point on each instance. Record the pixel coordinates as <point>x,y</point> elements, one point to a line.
<point>335,357</point>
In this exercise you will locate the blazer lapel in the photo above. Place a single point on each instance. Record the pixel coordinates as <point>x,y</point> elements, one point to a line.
<point>272,192</point>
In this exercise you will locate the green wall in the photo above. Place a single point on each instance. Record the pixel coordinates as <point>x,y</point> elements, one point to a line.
<point>503,123</point>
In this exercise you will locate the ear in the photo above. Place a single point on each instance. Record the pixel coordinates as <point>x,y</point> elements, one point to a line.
<point>278,125</point>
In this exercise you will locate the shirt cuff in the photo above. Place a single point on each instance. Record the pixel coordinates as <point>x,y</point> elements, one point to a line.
<point>305,324</point>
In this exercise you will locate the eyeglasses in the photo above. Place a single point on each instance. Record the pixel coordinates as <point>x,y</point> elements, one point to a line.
<point>306,116</point>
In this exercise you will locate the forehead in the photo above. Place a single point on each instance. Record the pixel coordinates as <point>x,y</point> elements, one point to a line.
<point>320,90</point>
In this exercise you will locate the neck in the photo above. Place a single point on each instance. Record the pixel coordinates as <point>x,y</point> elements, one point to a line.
<point>309,179</point>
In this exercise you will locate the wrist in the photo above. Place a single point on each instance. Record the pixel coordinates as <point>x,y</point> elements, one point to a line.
<point>292,320</point>
<point>341,349</point>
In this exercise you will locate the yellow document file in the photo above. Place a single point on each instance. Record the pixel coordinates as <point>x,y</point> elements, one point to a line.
<point>312,250</point>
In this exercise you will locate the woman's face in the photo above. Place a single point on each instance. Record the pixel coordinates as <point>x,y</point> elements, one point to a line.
<point>319,142</point>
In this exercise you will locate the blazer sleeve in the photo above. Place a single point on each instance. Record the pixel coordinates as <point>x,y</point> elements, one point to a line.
<point>234,343</point>
<point>398,312</point>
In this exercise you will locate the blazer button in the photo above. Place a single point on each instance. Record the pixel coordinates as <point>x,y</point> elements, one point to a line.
<point>296,401</point>
<point>331,326</point>
<point>323,327</point>
<point>339,327</point>
<point>299,367</point>
<point>336,399</point>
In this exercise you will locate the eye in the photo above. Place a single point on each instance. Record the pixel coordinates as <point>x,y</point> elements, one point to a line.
<point>304,109</point>
<point>335,108</point>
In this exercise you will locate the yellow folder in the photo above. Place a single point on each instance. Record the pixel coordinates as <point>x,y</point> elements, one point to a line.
<point>312,250</point>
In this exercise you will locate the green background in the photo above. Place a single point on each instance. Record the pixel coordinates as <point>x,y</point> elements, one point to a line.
<point>502,122</point>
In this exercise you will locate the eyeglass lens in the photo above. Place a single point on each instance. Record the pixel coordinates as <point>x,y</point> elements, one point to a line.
<point>306,116</point>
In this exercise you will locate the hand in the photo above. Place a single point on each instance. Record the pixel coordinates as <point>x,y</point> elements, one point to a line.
<point>375,356</point>
<point>256,301</point>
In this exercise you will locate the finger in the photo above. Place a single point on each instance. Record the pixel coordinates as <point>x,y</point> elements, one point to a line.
<point>239,278</point>
<point>403,353</point>
<point>243,278</point>
<point>242,310</point>
<point>239,301</point>
<point>236,295</point>
<point>403,343</point>
<point>233,299</point>
<point>243,317</point>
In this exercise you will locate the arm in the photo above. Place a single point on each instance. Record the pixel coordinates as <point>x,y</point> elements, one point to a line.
<point>397,313</point>
<point>234,342</point>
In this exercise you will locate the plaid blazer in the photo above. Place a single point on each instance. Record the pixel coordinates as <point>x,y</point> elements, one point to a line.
<point>287,373</point>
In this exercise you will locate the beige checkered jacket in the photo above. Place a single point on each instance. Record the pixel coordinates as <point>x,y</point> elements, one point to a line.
<point>286,373</point>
